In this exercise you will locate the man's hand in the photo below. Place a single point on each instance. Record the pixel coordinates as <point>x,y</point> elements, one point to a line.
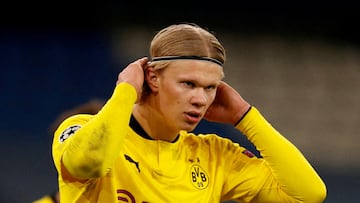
<point>134,75</point>
<point>228,106</point>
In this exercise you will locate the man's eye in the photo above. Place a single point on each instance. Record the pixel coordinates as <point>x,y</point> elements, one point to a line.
<point>211,87</point>
<point>189,84</point>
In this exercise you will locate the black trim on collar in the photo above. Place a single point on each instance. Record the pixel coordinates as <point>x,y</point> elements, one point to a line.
<point>135,125</point>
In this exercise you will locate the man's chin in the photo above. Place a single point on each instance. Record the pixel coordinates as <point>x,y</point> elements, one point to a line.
<point>189,127</point>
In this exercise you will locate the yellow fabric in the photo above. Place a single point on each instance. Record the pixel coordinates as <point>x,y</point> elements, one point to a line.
<point>196,168</point>
<point>290,170</point>
<point>44,199</point>
<point>93,153</point>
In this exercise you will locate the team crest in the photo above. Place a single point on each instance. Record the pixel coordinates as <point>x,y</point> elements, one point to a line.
<point>68,132</point>
<point>199,178</point>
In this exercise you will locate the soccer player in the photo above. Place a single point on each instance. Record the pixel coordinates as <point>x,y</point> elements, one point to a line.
<point>139,146</point>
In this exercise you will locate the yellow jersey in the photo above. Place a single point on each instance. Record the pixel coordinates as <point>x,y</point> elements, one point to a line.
<point>200,168</point>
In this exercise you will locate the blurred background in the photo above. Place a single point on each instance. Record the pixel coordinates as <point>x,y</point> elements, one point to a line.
<point>297,61</point>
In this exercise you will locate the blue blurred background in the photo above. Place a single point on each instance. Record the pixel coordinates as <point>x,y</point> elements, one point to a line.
<point>299,62</point>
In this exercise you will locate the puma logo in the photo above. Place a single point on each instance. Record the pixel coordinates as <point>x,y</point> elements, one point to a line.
<point>127,157</point>
<point>192,160</point>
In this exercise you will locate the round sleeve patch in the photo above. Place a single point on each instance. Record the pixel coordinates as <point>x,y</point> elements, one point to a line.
<point>68,132</point>
<point>248,153</point>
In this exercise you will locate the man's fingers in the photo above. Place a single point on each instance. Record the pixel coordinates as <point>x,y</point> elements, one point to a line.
<point>142,61</point>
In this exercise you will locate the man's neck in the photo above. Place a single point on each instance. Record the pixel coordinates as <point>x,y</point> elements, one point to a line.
<point>153,123</point>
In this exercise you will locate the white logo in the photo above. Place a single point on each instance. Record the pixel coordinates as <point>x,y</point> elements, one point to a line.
<point>68,132</point>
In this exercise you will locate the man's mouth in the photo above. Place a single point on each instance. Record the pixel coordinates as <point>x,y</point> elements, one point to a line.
<point>193,117</point>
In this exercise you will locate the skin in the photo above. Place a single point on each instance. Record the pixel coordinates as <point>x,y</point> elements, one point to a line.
<point>181,95</point>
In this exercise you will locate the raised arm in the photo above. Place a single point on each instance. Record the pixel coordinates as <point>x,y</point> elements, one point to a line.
<point>292,177</point>
<point>91,151</point>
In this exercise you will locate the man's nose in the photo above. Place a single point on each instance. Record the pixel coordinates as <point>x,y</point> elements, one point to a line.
<point>199,97</point>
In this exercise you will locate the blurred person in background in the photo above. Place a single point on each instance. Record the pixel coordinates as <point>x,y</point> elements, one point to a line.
<point>91,106</point>
<point>140,146</point>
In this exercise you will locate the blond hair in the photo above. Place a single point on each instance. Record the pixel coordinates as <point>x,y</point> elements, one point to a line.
<point>187,39</point>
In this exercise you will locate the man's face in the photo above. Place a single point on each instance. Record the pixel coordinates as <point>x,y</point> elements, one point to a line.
<point>186,90</point>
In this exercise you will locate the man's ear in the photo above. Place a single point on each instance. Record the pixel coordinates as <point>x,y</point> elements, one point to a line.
<point>152,79</point>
